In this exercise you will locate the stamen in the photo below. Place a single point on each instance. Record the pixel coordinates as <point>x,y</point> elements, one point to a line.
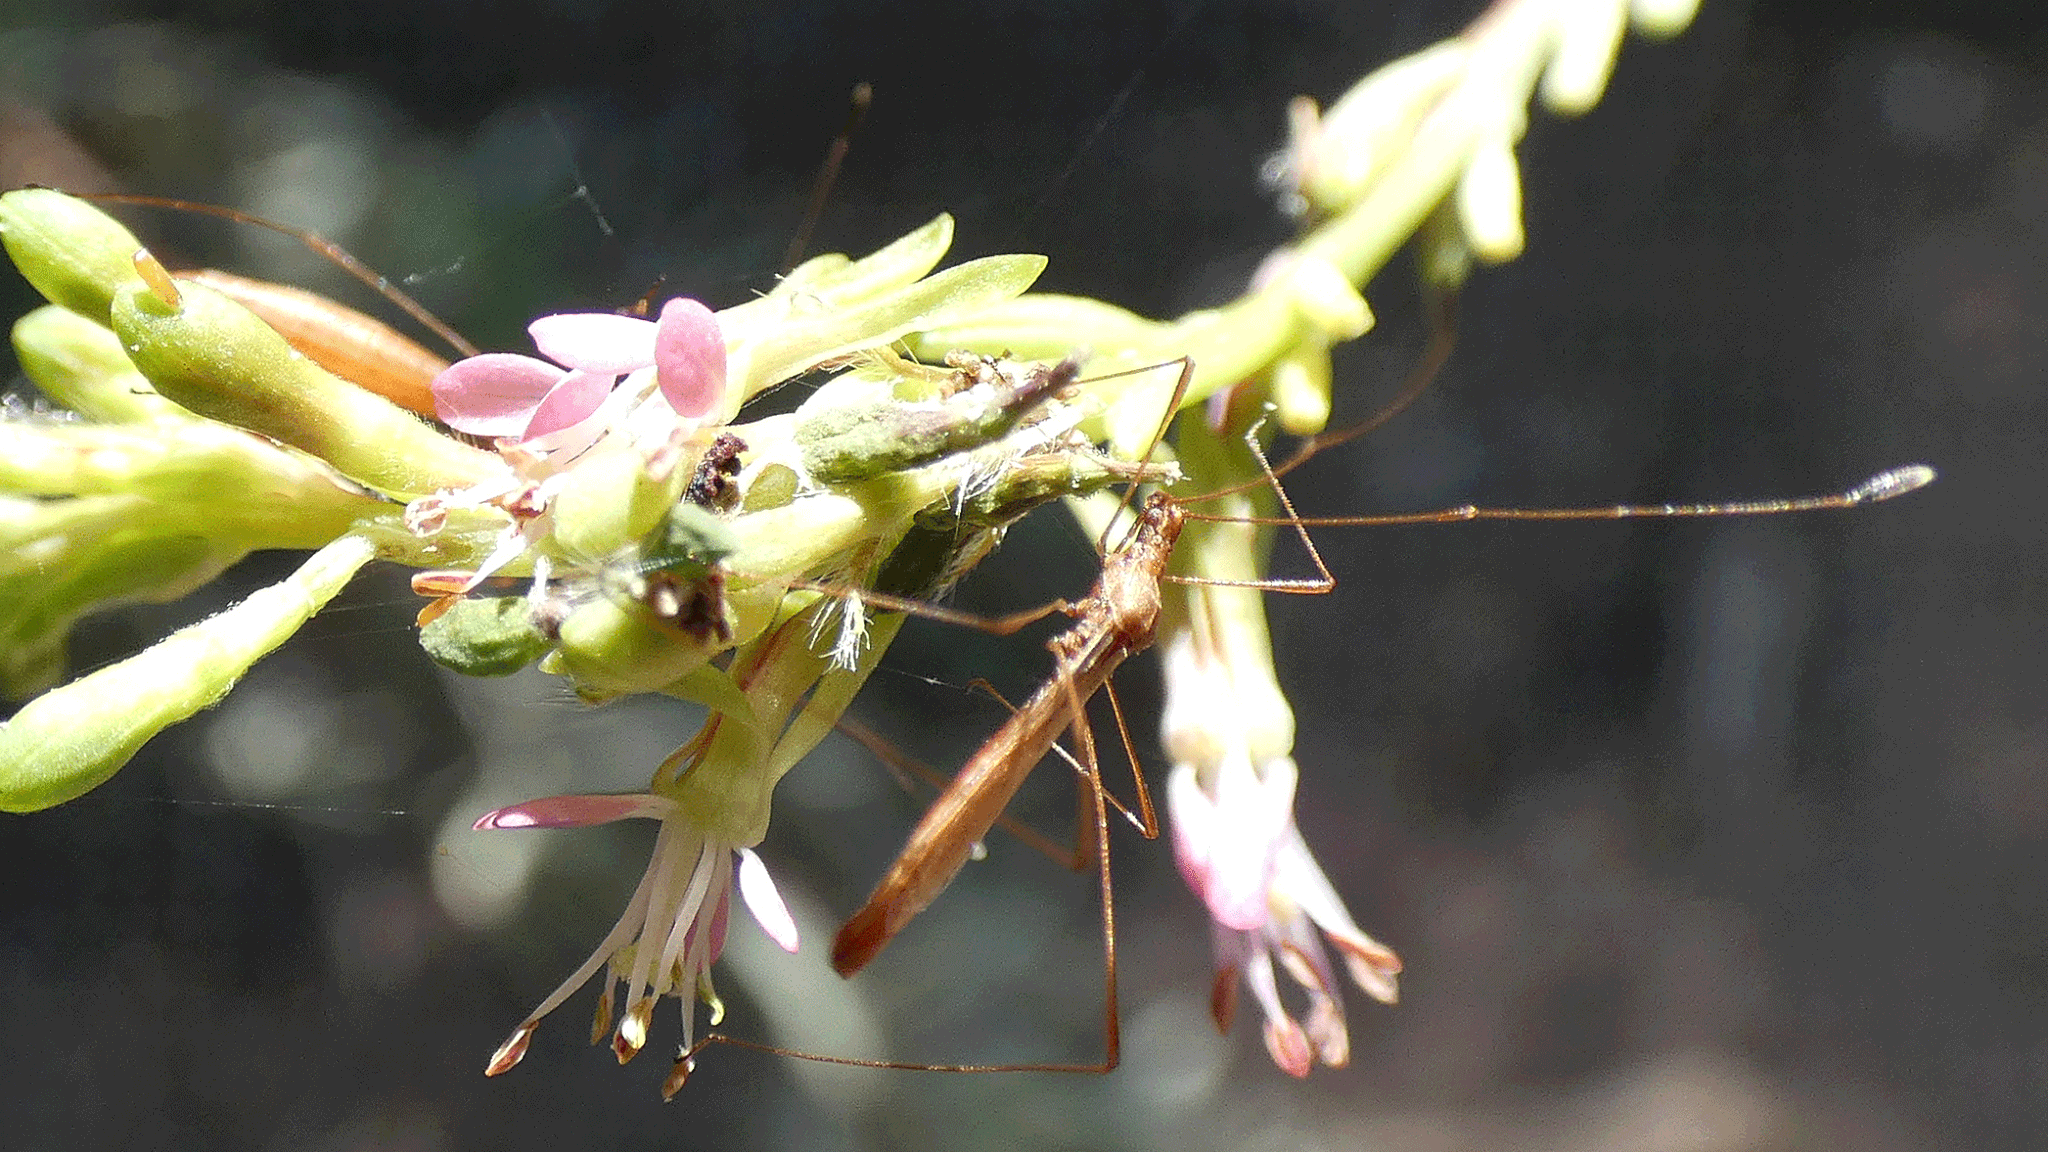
<point>632,1033</point>
<point>677,1076</point>
<point>161,285</point>
<point>513,1050</point>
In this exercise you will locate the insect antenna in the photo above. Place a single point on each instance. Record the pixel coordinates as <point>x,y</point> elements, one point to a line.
<point>828,173</point>
<point>334,252</point>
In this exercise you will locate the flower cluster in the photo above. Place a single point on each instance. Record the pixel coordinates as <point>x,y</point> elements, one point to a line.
<point>562,406</point>
<point>203,436</point>
<point>672,930</point>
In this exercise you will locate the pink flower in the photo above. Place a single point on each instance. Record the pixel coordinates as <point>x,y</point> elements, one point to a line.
<point>1231,801</point>
<point>1238,848</point>
<point>536,403</point>
<point>672,929</point>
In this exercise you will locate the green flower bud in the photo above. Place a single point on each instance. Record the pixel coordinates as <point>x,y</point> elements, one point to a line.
<point>608,500</point>
<point>1489,198</point>
<point>215,357</point>
<point>1337,156</point>
<point>73,253</point>
<point>613,647</point>
<point>1660,19</point>
<point>70,740</point>
<point>60,559</point>
<point>79,364</point>
<point>1588,36</point>
<point>1299,386</point>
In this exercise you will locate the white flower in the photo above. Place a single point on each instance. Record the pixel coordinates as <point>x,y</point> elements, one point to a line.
<point>1235,840</point>
<point>672,930</point>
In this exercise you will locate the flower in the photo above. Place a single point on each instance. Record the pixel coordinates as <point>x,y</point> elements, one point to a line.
<point>1231,801</point>
<point>672,929</point>
<point>547,406</point>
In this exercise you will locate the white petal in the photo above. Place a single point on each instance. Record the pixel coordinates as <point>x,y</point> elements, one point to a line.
<point>757,888</point>
<point>1254,814</point>
<point>1299,879</point>
<point>599,342</point>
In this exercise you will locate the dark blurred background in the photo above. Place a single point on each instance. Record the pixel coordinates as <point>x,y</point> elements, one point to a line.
<point>1694,837</point>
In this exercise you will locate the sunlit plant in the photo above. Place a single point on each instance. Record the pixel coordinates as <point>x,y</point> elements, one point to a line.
<point>662,544</point>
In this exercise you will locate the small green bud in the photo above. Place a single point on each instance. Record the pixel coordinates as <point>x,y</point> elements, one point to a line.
<point>485,636</point>
<point>215,357</point>
<point>79,364</point>
<point>70,740</point>
<point>1489,199</point>
<point>73,253</point>
<point>1588,36</point>
<point>1338,156</point>
<point>1661,19</point>
<point>1300,388</point>
<point>609,648</point>
<point>1326,299</point>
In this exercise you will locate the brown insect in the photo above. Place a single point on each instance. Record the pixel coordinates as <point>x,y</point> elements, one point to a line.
<point>1114,622</point>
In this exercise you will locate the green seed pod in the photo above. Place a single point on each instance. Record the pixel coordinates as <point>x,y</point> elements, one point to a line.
<point>73,253</point>
<point>215,357</point>
<point>869,435</point>
<point>485,636</point>
<point>609,648</point>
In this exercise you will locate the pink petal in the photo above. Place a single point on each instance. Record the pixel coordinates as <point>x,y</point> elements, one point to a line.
<point>575,811</point>
<point>493,394</point>
<point>758,890</point>
<point>1194,828</point>
<point>689,358</point>
<point>600,342</point>
<point>569,403</point>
